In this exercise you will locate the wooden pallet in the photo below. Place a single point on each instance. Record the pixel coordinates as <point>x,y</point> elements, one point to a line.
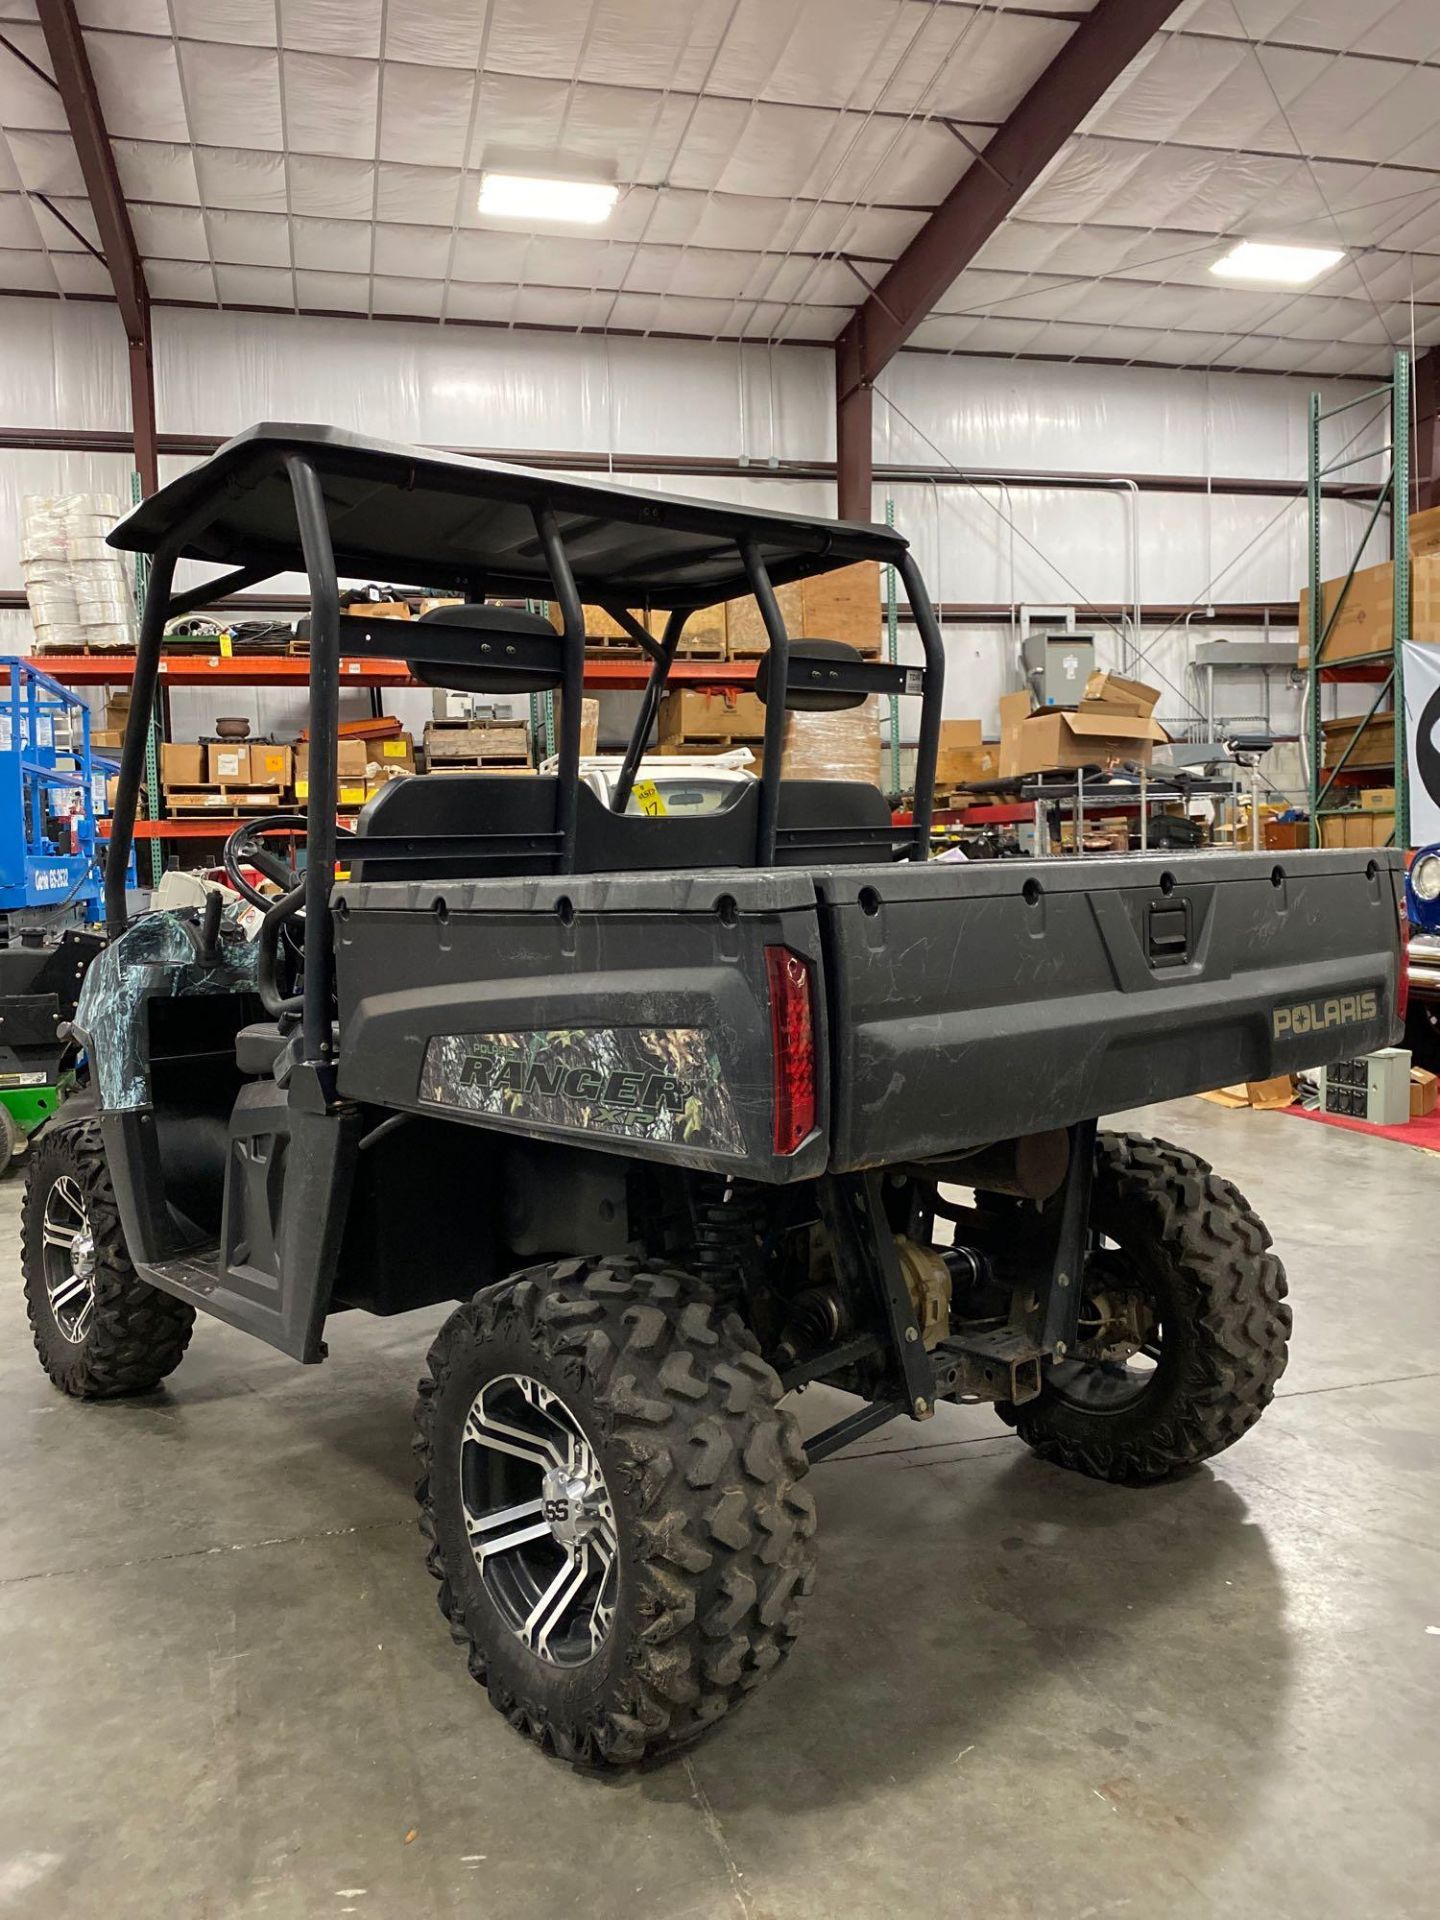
<point>186,802</point>
<point>114,649</point>
<point>487,763</point>
<point>712,743</point>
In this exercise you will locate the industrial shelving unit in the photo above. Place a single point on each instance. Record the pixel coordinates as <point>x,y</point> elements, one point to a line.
<point>603,674</point>
<point>1383,669</point>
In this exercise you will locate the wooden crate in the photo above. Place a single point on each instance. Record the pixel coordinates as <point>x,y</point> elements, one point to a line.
<point>844,605</point>
<point>1374,748</point>
<point>477,743</point>
<point>696,715</point>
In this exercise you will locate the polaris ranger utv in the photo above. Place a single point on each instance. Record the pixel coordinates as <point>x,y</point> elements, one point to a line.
<point>685,1111</point>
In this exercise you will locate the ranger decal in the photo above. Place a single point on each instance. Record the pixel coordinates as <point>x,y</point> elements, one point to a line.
<point>643,1083</point>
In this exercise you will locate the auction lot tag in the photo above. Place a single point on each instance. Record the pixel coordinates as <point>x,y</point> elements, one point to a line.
<point>649,799</point>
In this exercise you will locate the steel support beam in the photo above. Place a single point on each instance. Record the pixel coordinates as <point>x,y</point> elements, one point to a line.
<point>76,82</point>
<point>1425,455</point>
<point>1099,50</point>
<point>854,453</point>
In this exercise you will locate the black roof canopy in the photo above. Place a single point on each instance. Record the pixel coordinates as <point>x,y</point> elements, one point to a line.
<point>427,518</point>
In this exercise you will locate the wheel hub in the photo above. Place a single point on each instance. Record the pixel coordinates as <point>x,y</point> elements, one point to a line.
<point>539,1519</point>
<point>70,1259</point>
<point>571,1504</point>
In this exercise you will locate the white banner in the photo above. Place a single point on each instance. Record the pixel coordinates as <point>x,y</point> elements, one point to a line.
<point>1422,748</point>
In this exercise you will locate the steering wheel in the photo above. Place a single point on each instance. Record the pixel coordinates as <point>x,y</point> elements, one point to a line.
<point>245,847</point>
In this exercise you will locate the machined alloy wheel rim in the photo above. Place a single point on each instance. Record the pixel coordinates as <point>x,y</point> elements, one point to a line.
<point>539,1519</point>
<point>68,1245</point>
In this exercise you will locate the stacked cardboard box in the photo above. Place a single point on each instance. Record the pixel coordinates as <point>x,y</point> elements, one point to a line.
<point>710,719</point>
<point>1115,722</point>
<point>1365,621</point>
<point>965,755</point>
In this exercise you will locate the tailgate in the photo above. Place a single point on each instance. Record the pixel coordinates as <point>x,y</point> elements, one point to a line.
<point>971,1003</point>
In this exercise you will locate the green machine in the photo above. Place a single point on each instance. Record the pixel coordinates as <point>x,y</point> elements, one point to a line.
<point>39,984</point>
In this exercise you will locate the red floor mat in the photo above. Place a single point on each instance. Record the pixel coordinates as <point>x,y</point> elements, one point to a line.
<point>1416,1133</point>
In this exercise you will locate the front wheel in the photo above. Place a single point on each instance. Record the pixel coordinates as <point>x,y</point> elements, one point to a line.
<point>611,1495</point>
<point>101,1332</point>
<point>1183,1322</point>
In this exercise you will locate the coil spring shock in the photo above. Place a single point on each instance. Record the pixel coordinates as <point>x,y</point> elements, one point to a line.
<point>729,1233</point>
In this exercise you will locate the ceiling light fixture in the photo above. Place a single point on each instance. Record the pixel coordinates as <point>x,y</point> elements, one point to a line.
<point>1285,266</point>
<point>521,196</point>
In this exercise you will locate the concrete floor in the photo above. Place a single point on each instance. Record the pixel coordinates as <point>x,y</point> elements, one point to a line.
<point>227,1692</point>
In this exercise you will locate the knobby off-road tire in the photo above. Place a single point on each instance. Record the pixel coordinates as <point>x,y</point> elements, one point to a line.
<point>701,1472</point>
<point>1202,1256</point>
<point>117,1336</point>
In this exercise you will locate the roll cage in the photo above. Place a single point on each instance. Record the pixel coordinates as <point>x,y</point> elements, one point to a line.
<point>282,498</point>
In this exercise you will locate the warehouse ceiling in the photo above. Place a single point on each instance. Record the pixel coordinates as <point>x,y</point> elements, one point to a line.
<point>774,157</point>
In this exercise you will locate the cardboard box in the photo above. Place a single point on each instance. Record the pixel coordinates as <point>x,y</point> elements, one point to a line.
<point>1377,799</point>
<point>1423,1089</point>
<point>1265,1094</point>
<point>1374,748</point>
<point>1063,738</point>
<point>1425,533</point>
<point>1284,836</point>
<point>107,739</point>
<point>117,710</point>
<point>351,759</point>
<point>1125,696</point>
<point>965,755</point>
<point>182,766</point>
<point>395,753</point>
<point>378,610</point>
<point>700,713</point>
<point>1356,829</point>
<point>271,765</point>
<point>1364,624</point>
<point>589,728</point>
<point>227,763</point>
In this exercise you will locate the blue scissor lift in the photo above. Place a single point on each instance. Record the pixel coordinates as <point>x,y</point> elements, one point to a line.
<point>51,791</point>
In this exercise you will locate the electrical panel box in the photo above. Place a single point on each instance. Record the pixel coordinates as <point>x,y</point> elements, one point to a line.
<point>1057,665</point>
<point>1373,1087</point>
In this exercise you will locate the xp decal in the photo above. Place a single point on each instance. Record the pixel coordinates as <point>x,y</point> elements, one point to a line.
<point>643,1083</point>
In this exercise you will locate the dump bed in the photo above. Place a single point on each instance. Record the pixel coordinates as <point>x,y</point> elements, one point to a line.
<point>970,1003</point>
<point>950,1005</point>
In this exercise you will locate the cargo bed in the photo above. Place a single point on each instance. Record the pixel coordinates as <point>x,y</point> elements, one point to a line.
<point>961,1004</point>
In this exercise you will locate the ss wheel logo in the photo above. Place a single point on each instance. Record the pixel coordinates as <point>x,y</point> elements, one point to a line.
<point>557,1511</point>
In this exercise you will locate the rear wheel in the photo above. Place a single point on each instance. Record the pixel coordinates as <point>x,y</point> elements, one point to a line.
<point>1183,1324</point>
<point>611,1496</point>
<point>100,1331</point>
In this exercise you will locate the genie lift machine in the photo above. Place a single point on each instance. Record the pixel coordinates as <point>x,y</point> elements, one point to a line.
<point>52,791</point>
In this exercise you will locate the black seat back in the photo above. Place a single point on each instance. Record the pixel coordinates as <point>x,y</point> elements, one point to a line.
<point>833,823</point>
<point>494,823</point>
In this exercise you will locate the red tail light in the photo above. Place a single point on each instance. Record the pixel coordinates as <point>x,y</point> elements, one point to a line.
<point>792,1032</point>
<point>1402,980</point>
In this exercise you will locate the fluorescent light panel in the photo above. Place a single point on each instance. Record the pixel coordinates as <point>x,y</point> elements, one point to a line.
<point>1283,266</point>
<point>520,196</point>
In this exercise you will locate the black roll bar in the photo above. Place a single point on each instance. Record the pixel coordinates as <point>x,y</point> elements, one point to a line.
<point>759,578</point>
<point>932,703</point>
<point>664,659</point>
<point>137,729</point>
<point>314,527</point>
<point>572,684</point>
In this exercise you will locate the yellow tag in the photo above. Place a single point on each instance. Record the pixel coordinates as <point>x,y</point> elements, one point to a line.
<point>649,799</point>
<point>393,749</point>
<point>226,650</point>
<point>302,789</point>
